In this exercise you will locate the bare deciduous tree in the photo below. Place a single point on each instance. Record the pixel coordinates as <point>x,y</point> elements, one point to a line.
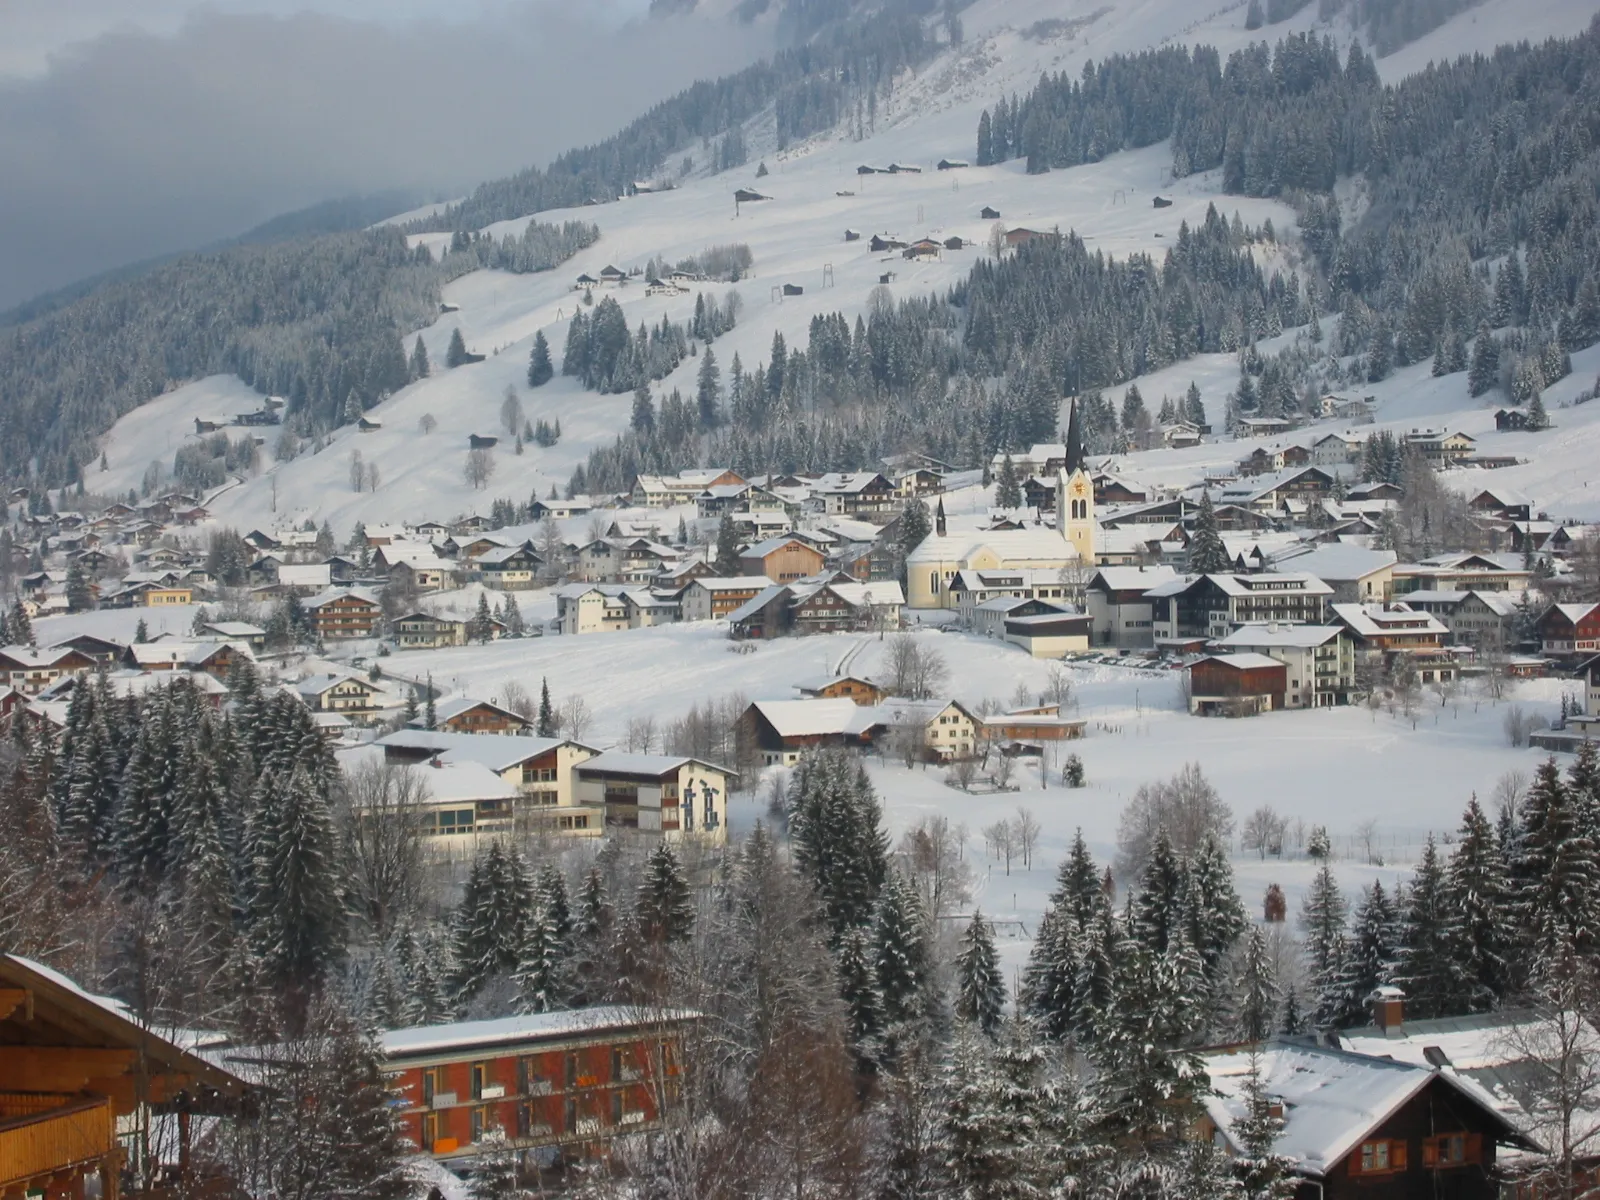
<point>1263,831</point>
<point>1186,806</point>
<point>480,468</point>
<point>916,670</point>
<point>931,851</point>
<point>1001,840</point>
<point>1027,830</point>
<point>1057,686</point>
<point>381,818</point>
<point>640,737</point>
<point>426,424</point>
<point>575,717</point>
<point>516,698</point>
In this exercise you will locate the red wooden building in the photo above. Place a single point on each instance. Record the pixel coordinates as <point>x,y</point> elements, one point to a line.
<point>561,1083</point>
<point>1566,630</point>
<point>1236,685</point>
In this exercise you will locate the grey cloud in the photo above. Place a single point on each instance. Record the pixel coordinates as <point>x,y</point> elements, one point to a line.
<point>136,144</point>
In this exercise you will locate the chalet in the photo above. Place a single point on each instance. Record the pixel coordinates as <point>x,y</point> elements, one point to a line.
<point>1121,614</point>
<point>881,245</point>
<point>713,598</point>
<point>1019,236</point>
<point>98,649</point>
<point>302,579</point>
<point>214,658</point>
<point>368,425</point>
<point>949,731</point>
<point>1462,572</point>
<point>477,441</point>
<point>424,631</point>
<point>1236,685</point>
<point>590,608</point>
<point>560,510</point>
<point>343,614</point>
<point>235,631</point>
<point>429,530</point>
<point>665,491</point>
<point>838,607</point>
<point>1181,436</point>
<point>897,168</point>
<point>1263,426</point>
<point>952,164</point>
<point>622,560</point>
<point>509,568</point>
<point>78,1070</point>
<point>1442,448</point>
<point>793,289</point>
<point>585,282</point>
<point>1336,449</point>
<point>988,214</point>
<point>782,559</point>
<point>865,495</point>
<point>857,688</point>
<point>923,250</point>
<point>1356,574</point>
<point>560,1084</point>
<point>147,593</point>
<point>664,795</point>
<point>852,235</point>
<point>783,731</point>
<point>462,714</point>
<point>31,671</point>
<point>1364,1126</point>
<point>339,693</point>
<point>1505,503</point>
<point>955,242</point>
<point>1276,491</point>
<point>1160,202</point>
<point>612,277</point>
<point>748,196</point>
<point>1511,420</point>
<point>1565,630</point>
<point>1385,634</point>
<point>646,607</point>
<point>1321,660</point>
<point>971,588</point>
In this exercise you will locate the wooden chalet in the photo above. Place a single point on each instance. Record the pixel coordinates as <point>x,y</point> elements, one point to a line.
<point>1236,685</point>
<point>465,715</point>
<point>782,559</point>
<point>1566,630</point>
<point>72,1065</point>
<point>858,688</point>
<point>344,614</point>
<point>783,731</point>
<point>424,631</point>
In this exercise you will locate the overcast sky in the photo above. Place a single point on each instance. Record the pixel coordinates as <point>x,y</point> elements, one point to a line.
<point>130,128</point>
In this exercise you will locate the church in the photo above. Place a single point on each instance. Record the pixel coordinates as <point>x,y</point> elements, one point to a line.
<point>933,564</point>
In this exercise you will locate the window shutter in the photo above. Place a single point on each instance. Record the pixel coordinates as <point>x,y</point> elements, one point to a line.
<point>1430,1152</point>
<point>1397,1156</point>
<point>1474,1149</point>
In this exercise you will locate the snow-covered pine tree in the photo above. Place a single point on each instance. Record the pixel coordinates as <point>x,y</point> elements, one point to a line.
<point>540,369</point>
<point>297,910</point>
<point>1007,488</point>
<point>835,827</point>
<point>1094,993</point>
<point>980,988</point>
<point>858,988</point>
<point>1557,873</point>
<point>1322,920</point>
<point>494,1168</point>
<point>1216,916</point>
<point>1368,959</point>
<point>900,952</point>
<point>456,354</point>
<point>1262,1173</point>
<point>19,628</point>
<point>665,906</point>
<point>545,725</point>
<point>1207,554</point>
<point>1255,991</point>
<point>726,560</point>
<point>1478,928</point>
<point>1424,967</point>
<point>1049,980</point>
<point>1159,899</point>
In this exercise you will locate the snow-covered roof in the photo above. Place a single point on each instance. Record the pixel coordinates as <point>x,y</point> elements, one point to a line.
<point>438,1039</point>
<point>1286,636</point>
<point>817,718</point>
<point>1339,562</point>
<point>316,685</point>
<point>758,602</point>
<point>1376,620</point>
<point>617,762</point>
<point>732,583</point>
<point>448,782</point>
<point>305,574</point>
<point>454,706</point>
<point>497,753</point>
<point>1017,546</point>
<point>1331,1099</point>
<point>1298,582</point>
<point>169,654</point>
<point>1131,579</point>
<point>328,597</point>
<point>235,629</point>
<point>1243,662</point>
<point>772,544</point>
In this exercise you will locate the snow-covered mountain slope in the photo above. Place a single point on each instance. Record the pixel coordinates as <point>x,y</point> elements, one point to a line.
<point>797,237</point>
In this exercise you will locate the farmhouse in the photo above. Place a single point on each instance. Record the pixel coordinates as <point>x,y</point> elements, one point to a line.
<point>1236,685</point>
<point>338,693</point>
<point>1566,630</point>
<point>782,731</point>
<point>462,714</point>
<point>858,688</point>
<point>343,614</point>
<point>424,631</point>
<point>713,598</point>
<point>782,559</point>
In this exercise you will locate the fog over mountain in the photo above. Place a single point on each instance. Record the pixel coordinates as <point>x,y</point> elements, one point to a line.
<point>127,134</point>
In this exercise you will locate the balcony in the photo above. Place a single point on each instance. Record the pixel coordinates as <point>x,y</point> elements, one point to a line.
<point>44,1134</point>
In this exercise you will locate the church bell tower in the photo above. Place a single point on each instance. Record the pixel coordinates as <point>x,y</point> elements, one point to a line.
<point>1075,494</point>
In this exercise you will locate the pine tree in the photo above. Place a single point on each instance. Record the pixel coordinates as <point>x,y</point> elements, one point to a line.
<point>79,597</point>
<point>419,367</point>
<point>900,952</point>
<point>1478,931</point>
<point>1158,902</point>
<point>141,633</point>
<point>643,420</point>
<point>540,370</point>
<point>726,562</point>
<point>835,826</point>
<point>1207,554</point>
<point>457,353</point>
<point>19,628</point>
<point>483,620</point>
<point>297,909</point>
<point>1427,972</point>
<point>545,725</point>
<point>1215,914</point>
<point>1256,990</point>
<point>708,392</point>
<point>1556,870</point>
<point>1368,959</point>
<point>430,706</point>
<point>1537,417</point>
<point>1322,918</point>
<point>1484,372</point>
<point>858,988</point>
<point>1008,490</point>
<point>980,988</point>
<point>490,926</point>
<point>1262,1174</point>
<point>665,907</point>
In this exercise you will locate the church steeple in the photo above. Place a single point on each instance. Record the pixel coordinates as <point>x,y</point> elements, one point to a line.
<point>938,518</point>
<point>1074,440</point>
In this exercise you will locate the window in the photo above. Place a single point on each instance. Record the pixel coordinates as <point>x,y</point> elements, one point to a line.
<point>572,1070</point>
<point>1446,1150</point>
<point>480,1076</point>
<point>616,1107</point>
<point>478,1121</point>
<point>1379,1157</point>
<point>430,1128</point>
<point>432,1081</point>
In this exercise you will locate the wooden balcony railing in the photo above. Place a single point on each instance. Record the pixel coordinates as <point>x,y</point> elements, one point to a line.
<point>41,1135</point>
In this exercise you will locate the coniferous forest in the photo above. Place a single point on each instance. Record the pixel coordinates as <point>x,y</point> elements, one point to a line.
<point>209,869</point>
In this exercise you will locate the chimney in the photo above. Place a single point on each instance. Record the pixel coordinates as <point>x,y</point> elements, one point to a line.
<point>436,764</point>
<point>1389,1010</point>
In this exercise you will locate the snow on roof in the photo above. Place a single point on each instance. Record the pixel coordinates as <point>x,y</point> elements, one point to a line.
<point>1249,585</point>
<point>1375,620</point>
<point>443,710</point>
<point>1004,604</point>
<point>816,718</point>
<point>315,685</point>
<point>1288,636</point>
<point>1017,546</point>
<point>860,595</point>
<point>448,782</point>
<point>732,583</point>
<point>1129,579</point>
<point>332,594</point>
<point>758,602</point>
<point>235,629</point>
<point>1339,562</point>
<point>617,762</point>
<point>1331,1099</point>
<point>817,682</point>
<point>497,753</point>
<point>305,574</point>
<point>436,1039</point>
<point>1244,662</point>
<point>762,549</point>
